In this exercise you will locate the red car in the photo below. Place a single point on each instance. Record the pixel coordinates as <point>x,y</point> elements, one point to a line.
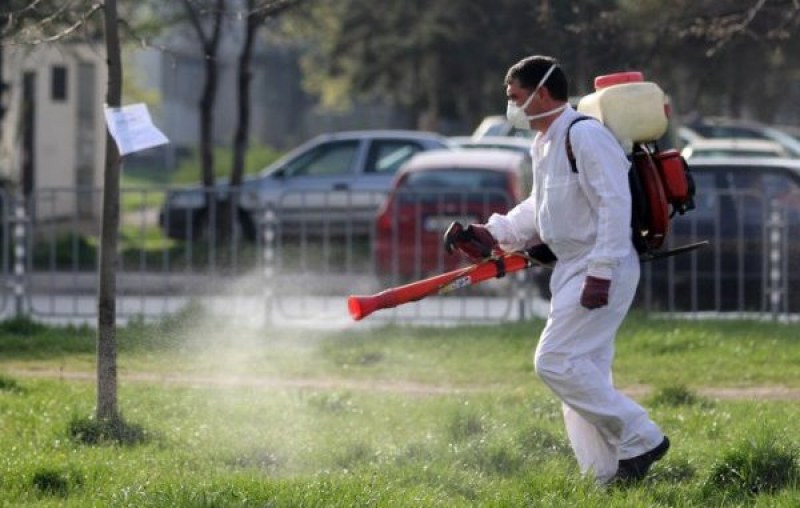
<point>436,188</point>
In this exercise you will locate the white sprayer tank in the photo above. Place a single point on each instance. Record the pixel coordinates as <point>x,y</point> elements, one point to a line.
<point>633,109</point>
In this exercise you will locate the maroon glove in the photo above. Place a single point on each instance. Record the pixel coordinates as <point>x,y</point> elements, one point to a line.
<point>595,292</point>
<point>475,242</point>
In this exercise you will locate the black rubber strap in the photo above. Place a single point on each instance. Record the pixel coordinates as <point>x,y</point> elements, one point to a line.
<point>500,263</point>
<point>571,156</point>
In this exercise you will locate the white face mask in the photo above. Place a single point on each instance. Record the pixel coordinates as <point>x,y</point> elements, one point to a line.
<point>516,114</point>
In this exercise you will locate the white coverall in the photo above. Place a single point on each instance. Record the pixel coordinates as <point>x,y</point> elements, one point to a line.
<point>585,220</point>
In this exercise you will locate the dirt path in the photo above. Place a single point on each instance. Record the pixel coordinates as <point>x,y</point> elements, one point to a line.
<point>401,387</point>
<point>775,392</point>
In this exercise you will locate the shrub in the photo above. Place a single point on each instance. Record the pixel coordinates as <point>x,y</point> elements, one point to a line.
<point>674,396</point>
<point>8,384</point>
<point>52,482</point>
<point>464,425</point>
<point>763,465</point>
<point>22,326</point>
<point>114,431</point>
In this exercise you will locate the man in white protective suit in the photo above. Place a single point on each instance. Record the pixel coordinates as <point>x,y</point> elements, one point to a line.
<point>584,219</point>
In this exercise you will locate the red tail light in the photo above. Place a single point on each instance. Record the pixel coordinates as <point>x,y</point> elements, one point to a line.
<point>384,222</point>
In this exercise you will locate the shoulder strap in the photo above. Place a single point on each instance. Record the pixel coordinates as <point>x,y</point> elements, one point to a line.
<point>571,156</point>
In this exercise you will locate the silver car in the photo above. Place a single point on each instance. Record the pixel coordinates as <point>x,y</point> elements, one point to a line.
<point>333,181</point>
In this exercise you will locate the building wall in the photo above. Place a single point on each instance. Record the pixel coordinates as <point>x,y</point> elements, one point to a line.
<point>277,100</point>
<point>69,128</point>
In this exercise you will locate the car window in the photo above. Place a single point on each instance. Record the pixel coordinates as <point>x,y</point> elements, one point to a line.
<point>768,186</point>
<point>744,195</point>
<point>717,206</point>
<point>735,152</point>
<point>763,181</point>
<point>386,156</point>
<point>456,180</point>
<point>334,158</point>
<point>747,192</point>
<point>728,131</point>
<point>461,185</point>
<point>736,200</point>
<point>781,187</point>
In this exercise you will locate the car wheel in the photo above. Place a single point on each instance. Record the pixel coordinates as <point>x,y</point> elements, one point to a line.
<point>199,227</point>
<point>249,230</point>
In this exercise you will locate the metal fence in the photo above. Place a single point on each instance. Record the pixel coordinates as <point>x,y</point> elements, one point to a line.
<point>291,273</point>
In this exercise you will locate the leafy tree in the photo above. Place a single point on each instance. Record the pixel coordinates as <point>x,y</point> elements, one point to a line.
<point>446,59</point>
<point>399,54</point>
<point>697,50</point>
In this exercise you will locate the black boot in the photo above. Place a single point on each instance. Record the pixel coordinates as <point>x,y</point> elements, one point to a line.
<point>634,469</point>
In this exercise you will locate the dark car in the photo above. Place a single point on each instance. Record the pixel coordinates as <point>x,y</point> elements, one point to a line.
<point>332,179</point>
<point>749,211</point>
<point>434,189</point>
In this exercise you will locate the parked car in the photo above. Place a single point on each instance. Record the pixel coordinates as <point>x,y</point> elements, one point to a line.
<point>733,147</point>
<point>498,125</point>
<point>716,127</point>
<point>515,144</point>
<point>434,189</point>
<point>686,135</point>
<point>749,211</point>
<point>333,180</point>
<point>520,145</point>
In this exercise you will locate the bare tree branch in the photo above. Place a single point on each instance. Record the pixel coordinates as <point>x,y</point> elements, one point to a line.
<point>71,29</point>
<point>270,9</point>
<point>737,28</point>
<point>64,15</point>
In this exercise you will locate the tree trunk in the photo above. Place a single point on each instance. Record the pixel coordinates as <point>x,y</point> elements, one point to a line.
<point>3,86</point>
<point>428,120</point>
<point>208,98</point>
<point>207,116</point>
<point>107,408</point>
<point>245,75</point>
<point>227,217</point>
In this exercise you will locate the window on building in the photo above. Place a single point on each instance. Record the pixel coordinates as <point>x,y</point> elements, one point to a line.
<point>58,84</point>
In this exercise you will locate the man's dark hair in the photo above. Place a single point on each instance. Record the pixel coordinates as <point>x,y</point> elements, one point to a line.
<point>530,70</point>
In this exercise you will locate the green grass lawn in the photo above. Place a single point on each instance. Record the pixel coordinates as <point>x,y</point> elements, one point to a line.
<point>394,416</point>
